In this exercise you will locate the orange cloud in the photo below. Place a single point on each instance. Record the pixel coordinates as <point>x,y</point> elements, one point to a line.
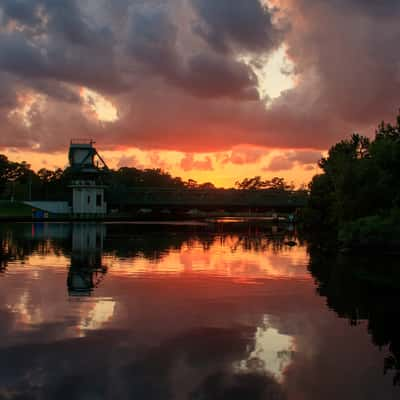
<point>188,163</point>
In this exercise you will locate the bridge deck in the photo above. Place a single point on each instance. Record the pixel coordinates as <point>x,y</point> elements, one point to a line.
<point>153,197</point>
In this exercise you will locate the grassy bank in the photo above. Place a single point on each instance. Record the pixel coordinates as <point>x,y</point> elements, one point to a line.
<point>14,209</point>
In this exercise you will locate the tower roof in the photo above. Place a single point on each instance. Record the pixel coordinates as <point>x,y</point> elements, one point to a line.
<point>83,156</point>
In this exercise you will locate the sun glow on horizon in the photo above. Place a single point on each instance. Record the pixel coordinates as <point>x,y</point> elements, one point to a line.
<point>225,167</point>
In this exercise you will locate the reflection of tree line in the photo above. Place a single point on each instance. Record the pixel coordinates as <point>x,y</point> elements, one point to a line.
<point>17,242</point>
<point>356,288</point>
<point>84,244</point>
<point>155,242</point>
<point>260,242</point>
<point>152,242</point>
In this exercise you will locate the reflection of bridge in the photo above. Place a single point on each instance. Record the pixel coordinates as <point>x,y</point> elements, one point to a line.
<point>208,198</point>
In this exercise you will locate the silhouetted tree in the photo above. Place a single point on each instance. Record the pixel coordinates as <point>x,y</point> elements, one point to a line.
<point>359,181</point>
<point>14,172</point>
<point>257,183</point>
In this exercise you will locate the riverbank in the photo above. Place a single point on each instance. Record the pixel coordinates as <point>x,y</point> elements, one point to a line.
<point>14,209</point>
<point>20,212</point>
<point>156,217</point>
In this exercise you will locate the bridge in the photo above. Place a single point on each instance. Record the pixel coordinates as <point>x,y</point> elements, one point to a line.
<point>206,199</point>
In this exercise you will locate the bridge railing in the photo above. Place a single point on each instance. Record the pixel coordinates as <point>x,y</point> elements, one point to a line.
<point>209,197</point>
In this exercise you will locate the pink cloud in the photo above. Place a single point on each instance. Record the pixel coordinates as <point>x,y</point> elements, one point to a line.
<point>129,161</point>
<point>288,160</point>
<point>189,163</point>
<point>156,161</point>
<point>242,156</point>
<point>279,163</point>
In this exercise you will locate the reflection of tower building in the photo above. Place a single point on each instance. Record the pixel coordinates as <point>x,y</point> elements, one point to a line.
<point>86,270</point>
<point>87,167</point>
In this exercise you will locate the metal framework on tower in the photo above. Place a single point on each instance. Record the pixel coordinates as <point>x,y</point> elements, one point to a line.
<point>88,169</point>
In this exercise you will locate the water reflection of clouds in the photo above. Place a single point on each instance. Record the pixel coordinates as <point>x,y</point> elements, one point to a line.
<point>188,324</point>
<point>100,312</point>
<point>39,298</point>
<point>36,295</point>
<point>26,313</point>
<point>38,301</point>
<point>272,351</point>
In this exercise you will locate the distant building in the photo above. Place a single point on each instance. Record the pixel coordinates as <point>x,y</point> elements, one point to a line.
<point>88,169</point>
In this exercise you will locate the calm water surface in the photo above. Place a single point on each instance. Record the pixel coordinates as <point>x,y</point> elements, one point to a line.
<point>187,311</point>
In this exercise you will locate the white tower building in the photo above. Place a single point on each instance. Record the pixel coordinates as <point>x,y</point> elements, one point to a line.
<point>87,168</point>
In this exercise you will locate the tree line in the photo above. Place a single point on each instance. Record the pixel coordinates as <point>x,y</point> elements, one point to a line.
<point>18,180</point>
<point>358,192</point>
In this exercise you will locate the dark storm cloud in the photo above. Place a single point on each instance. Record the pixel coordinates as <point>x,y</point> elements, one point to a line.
<point>66,19</point>
<point>174,69</point>
<point>23,11</point>
<point>153,43</point>
<point>54,61</point>
<point>351,50</point>
<point>210,75</point>
<point>76,53</point>
<point>7,91</point>
<point>368,7</point>
<point>67,48</point>
<point>62,18</point>
<point>244,24</point>
<point>19,57</point>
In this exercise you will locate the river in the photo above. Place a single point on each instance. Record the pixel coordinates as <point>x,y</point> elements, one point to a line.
<point>218,310</point>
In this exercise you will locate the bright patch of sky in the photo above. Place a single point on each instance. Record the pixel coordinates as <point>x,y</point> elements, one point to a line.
<point>274,73</point>
<point>101,107</point>
<point>30,105</point>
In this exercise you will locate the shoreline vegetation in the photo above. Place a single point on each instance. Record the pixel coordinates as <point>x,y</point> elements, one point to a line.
<point>353,204</point>
<point>18,182</point>
<point>132,193</point>
<point>357,196</point>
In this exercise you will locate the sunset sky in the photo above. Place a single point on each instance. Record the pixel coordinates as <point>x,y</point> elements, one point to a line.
<point>215,90</point>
